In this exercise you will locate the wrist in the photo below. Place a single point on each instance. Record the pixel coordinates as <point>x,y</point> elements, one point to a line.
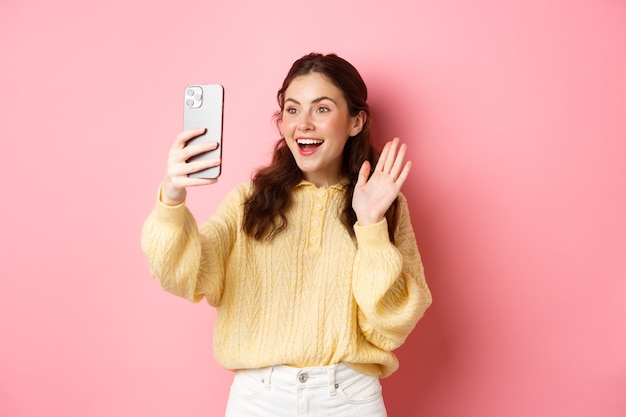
<point>170,197</point>
<point>369,221</point>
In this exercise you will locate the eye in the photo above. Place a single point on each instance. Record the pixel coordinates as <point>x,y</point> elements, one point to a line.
<point>323,109</point>
<point>291,110</point>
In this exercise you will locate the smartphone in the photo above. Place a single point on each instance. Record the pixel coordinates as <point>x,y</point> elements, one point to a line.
<point>204,107</point>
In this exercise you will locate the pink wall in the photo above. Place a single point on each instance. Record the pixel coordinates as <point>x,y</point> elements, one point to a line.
<point>516,115</point>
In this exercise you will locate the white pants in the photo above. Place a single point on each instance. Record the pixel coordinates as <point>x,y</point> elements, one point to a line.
<point>283,391</point>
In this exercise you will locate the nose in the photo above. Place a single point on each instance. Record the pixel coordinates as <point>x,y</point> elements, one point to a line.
<point>305,123</point>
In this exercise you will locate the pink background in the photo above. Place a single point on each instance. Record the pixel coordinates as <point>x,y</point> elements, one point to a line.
<point>515,112</point>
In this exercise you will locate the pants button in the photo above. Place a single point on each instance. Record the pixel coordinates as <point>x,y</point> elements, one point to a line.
<point>303,378</point>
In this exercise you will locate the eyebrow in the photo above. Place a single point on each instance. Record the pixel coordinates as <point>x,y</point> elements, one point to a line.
<point>317,100</point>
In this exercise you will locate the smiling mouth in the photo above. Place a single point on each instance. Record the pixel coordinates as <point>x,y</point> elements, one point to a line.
<point>309,143</point>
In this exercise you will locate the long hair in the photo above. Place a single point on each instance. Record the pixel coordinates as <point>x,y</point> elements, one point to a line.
<point>266,207</point>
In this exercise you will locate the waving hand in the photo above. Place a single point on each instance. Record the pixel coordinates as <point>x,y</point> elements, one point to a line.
<point>373,197</point>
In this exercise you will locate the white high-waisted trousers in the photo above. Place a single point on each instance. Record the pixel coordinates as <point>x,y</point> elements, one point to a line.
<point>284,391</point>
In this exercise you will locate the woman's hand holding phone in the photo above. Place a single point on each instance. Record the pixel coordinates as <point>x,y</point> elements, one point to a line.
<point>177,179</point>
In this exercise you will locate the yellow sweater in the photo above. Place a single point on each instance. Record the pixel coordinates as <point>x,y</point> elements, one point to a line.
<point>313,296</point>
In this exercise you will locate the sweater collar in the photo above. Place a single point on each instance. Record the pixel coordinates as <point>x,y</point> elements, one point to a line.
<point>341,185</point>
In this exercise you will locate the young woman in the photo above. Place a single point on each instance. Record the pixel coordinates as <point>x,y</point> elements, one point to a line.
<point>312,266</point>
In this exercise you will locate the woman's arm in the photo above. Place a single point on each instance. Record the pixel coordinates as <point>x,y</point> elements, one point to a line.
<point>189,261</point>
<point>389,284</point>
<point>172,244</point>
<point>176,250</point>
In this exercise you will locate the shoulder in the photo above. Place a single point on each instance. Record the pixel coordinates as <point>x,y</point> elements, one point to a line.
<point>240,192</point>
<point>402,212</point>
<point>236,196</point>
<point>244,189</point>
<point>402,202</point>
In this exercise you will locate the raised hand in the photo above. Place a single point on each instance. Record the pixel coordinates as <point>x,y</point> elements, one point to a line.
<point>173,190</point>
<point>373,197</point>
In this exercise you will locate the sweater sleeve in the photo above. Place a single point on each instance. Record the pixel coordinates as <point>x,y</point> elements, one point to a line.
<point>187,260</point>
<point>389,285</point>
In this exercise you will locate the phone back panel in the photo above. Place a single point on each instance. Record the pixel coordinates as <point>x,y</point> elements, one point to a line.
<point>204,104</point>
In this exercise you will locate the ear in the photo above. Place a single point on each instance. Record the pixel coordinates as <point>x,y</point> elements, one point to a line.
<point>358,123</point>
<point>279,124</point>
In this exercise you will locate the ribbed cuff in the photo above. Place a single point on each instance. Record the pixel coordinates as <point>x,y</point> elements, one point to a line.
<point>372,235</point>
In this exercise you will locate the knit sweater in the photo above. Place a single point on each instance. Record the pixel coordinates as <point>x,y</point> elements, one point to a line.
<point>312,296</point>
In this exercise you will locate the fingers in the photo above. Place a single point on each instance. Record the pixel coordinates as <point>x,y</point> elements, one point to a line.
<point>382,158</point>
<point>404,174</point>
<point>391,160</point>
<point>364,173</point>
<point>185,150</point>
<point>182,161</point>
<point>182,152</point>
<point>184,167</point>
<point>398,160</point>
<point>185,136</point>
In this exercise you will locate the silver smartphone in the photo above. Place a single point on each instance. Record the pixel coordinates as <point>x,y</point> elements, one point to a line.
<point>204,107</point>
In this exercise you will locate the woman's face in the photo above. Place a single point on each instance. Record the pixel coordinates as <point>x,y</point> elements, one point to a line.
<point>316,125</point>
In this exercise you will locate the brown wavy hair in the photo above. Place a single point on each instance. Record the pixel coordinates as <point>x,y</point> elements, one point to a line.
<point>266,207</point>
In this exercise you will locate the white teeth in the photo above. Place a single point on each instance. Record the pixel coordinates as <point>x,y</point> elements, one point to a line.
<point>309,141</point>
